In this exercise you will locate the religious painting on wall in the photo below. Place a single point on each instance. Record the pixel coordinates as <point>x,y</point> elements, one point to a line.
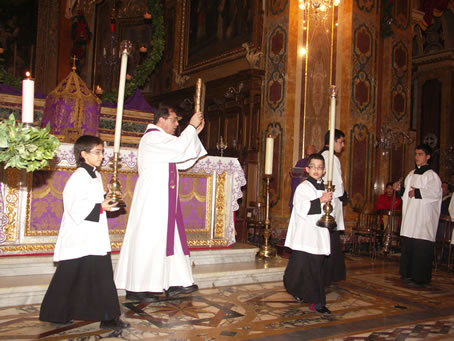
<point>214,31</point>
<point>18,27</point>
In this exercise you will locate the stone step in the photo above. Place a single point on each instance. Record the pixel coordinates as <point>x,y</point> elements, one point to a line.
<point>25,284</point>
<point>38,265</point>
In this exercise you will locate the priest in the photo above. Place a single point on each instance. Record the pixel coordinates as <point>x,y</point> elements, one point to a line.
<point>420,213</point>
<point>155,254</point>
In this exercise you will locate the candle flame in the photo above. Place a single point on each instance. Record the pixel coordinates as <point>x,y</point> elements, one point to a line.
<point>28,74</point>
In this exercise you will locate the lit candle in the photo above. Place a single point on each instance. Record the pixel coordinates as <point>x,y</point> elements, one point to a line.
<point>121,95</point>
<point>332,120</point>
<point>99,90</point>
<point>269,155</point>
<point>28,98</point>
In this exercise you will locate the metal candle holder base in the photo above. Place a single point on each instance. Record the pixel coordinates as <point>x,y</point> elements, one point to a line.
<point>266,250</point>
<point>114,185</point>
<point>327,220</point>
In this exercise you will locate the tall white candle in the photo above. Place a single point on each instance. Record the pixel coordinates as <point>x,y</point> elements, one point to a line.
<point>121,97</point>
<point>28,98</point>
<point>269,155</point>
<point>332,121</point>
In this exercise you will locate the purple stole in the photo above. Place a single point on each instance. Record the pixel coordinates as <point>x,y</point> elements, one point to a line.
<point>174,212</point>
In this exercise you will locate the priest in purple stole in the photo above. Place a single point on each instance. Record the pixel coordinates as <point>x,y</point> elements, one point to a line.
<point>155,254</point>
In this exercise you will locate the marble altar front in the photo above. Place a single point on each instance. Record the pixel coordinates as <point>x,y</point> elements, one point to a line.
<point>31,204</point>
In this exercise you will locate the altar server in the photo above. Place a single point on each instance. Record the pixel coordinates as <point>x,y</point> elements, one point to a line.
<point>82,287</point>
<point>335,265</point>
<point>420,213</point>
<point>310,244</point>
<point>155,255</point>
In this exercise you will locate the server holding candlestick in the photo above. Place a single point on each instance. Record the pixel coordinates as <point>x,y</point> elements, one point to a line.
<point>334,269</point>
<point>266,250</point>
<point>114,185</point>
<point>28,98</point>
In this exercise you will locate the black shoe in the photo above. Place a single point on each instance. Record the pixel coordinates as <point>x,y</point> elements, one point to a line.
<point>323,310</point>
<point>298,299</point>
<point>406,279</point>
<point>143,296</point>
<point>115,324</point>
<point>174,291</point>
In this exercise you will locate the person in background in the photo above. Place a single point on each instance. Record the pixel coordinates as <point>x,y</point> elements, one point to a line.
<point>421,196</point>
<point>335,268</point>
<point>388,201</point>
<point>302,163</point>
<point>82,287</point>
<point>446,199</point>
<point>310,244</point>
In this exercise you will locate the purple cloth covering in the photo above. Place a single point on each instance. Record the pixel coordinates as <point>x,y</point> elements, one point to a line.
<point>7,89</point>
<point>134,102</point>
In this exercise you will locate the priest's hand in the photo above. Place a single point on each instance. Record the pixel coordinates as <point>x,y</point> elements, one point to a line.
<point>200,127</point>
<point>108,205</point>
<point>196,119</point>
<point>411,193</point>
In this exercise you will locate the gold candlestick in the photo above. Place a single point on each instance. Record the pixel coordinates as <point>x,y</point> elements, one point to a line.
<point>114,185</point>
<point>266,250</point>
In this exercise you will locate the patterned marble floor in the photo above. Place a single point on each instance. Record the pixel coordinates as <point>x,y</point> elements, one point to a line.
<point>372,304</point>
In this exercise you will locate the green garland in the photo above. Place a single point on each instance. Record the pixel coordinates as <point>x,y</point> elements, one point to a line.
<point>145,69</point>
<point>7,78</point>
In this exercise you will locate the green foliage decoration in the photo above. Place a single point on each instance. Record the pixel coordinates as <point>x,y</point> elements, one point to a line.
<point>145,69</point>
<point>7,78</point>
<point>28,148</point>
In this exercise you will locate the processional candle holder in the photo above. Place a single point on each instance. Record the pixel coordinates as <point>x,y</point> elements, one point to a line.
<point>114,185</point>
<point>327,220</point>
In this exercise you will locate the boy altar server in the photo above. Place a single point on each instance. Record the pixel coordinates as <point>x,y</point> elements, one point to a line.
<point>420,213</point>
<point>310,244</point>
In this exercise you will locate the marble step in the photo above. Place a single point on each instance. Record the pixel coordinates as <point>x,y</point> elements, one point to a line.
<point>38,265</point>
<point>30,289</point>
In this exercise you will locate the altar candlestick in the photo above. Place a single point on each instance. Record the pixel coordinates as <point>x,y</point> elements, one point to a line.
<point>121,94</point>
<point>269,155</point>
<point>332,120</point>
<point>28,97</point>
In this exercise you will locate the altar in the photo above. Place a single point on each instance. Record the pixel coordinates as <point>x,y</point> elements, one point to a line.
<point>31,204</point>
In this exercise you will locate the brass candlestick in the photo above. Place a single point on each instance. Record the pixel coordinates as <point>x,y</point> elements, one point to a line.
<point>114,185</point>
<point>266,250</point>
<point>221,146</point>
<point>327,220</point>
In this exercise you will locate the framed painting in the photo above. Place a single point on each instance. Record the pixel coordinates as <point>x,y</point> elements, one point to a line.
<point>213,31</point>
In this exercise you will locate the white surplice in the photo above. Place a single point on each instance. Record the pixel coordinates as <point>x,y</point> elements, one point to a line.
<point>303,234</point>
<point>420,216</point>
<point>143,264</point>
<point>79,237</point>
<point>338,212</point>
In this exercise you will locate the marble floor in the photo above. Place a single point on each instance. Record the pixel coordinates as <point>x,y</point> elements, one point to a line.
<point>372,304</point>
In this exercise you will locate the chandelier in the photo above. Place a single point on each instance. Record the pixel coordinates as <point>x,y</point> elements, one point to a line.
<point>392,138</point>
<point>318,5</point>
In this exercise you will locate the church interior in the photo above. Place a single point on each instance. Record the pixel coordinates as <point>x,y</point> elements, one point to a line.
<point>274,72</point>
